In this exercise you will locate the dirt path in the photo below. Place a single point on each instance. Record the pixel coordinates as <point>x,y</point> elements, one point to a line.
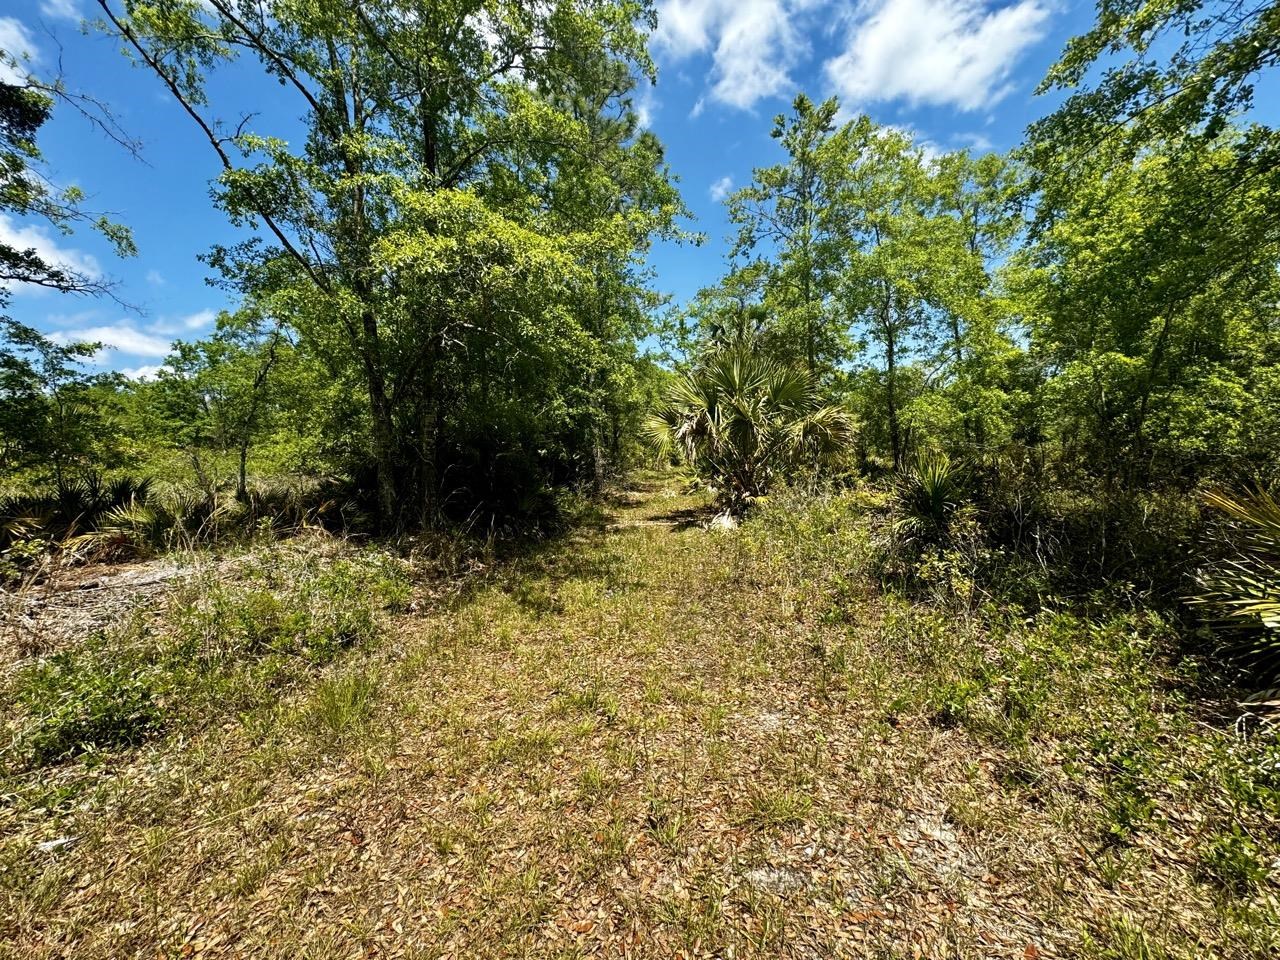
<point>643,743</point>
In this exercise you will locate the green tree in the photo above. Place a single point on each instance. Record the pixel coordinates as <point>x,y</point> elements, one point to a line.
<point>1176,73</point>
<point>1153,315</point>
<point>1152,266</point>
<point>49,423</point>
<point>889,240</point>
<point>221,394</point>
<point>975,223</point>
<point>785,217</point>
<point>453,153</point>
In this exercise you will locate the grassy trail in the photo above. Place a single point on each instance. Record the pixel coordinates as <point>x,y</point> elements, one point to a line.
<point>648,741</point>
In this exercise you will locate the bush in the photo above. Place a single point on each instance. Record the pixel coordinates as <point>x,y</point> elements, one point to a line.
<point>1242,590</point>
<point>929,492</point>
<point>81,701</point>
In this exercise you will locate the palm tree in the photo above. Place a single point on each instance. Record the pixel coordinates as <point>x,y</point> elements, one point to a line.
<point>742,420</point>
<point>1244,590</point>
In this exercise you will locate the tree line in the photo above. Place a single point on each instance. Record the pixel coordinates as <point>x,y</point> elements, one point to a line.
<point>1094,310</point>
<point>442,284</point>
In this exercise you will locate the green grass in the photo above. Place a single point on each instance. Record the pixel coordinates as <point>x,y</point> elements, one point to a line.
<point>219,645</point>
<point>644,738</point>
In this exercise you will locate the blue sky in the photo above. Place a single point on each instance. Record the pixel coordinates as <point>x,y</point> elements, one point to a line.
<point>955,73</point>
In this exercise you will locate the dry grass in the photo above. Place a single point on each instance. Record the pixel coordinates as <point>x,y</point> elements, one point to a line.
<point>650,741</point>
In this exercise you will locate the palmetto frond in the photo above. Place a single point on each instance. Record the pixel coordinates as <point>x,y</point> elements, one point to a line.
<point>742,419</point>
<point>929,491</point>
<point>1243,591</point>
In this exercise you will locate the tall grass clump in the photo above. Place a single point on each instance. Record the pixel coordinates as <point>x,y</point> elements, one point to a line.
<point>221,643</point>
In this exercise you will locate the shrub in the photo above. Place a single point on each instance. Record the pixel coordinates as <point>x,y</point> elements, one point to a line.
<point>84,701</point>
<point>744,421</point>
<point>929,493</point>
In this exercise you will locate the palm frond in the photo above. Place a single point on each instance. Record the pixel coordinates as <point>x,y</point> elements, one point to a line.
<point>1242,592</point>
<point>743,420</point>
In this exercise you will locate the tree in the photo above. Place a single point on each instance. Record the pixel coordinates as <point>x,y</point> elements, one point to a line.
<point>788,210</point>
<point>221,393</point>
<point>47,420</point>
<point>26,192</point>
<point>976,221</point>
<point>730,311</point>
<point>1152,264</point>
<point>889,240</point>
<point>1154,315</point>
<point>744,421</point>
<point>436,134</point>
<point>1191,71</point>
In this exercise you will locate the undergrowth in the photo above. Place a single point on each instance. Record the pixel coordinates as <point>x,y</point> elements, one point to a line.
<point>219,644</point>
<point>802,737</point>
<point>1100,699</point>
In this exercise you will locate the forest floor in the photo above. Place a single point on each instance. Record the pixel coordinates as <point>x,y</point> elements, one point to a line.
<point>649,739</point>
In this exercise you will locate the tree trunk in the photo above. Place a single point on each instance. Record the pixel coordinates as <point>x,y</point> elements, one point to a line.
<point>891,381</point>
<point>242,486</point>
<point>431,437</point>
<point>891,402</point>
<point>384,451</point>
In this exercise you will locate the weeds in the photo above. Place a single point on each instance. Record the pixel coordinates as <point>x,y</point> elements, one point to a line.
<point>216,645</point>
<point>87,700</point>
<point>343,704</point>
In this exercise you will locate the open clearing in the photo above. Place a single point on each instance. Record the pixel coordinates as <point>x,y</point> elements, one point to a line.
<point>652,740</point>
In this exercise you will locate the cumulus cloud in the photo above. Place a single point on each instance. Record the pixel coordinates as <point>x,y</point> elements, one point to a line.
<point>938,52</point>
<point>721,188</point>
<point>121,337</point>
<point>46,245</point>
<point>146,371</point>
<point>753,44</point>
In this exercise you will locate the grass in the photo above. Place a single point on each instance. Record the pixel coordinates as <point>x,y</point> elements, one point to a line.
<point>645,739</point>
<point>217,646</point>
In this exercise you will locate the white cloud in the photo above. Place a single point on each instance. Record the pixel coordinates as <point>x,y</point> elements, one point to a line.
<point>937,52</point>
<point>122,337</point>
<point>45,244</point>
<point>645,105</point>
<point>146,371</point>
<point>155,278</point>
<point>61,9</point>
<point>720,189</point>
<point>974,141</point>
<point>171,326</point>
<point>753,44</point>
<point>929,149</point>
<point>16,47</point>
